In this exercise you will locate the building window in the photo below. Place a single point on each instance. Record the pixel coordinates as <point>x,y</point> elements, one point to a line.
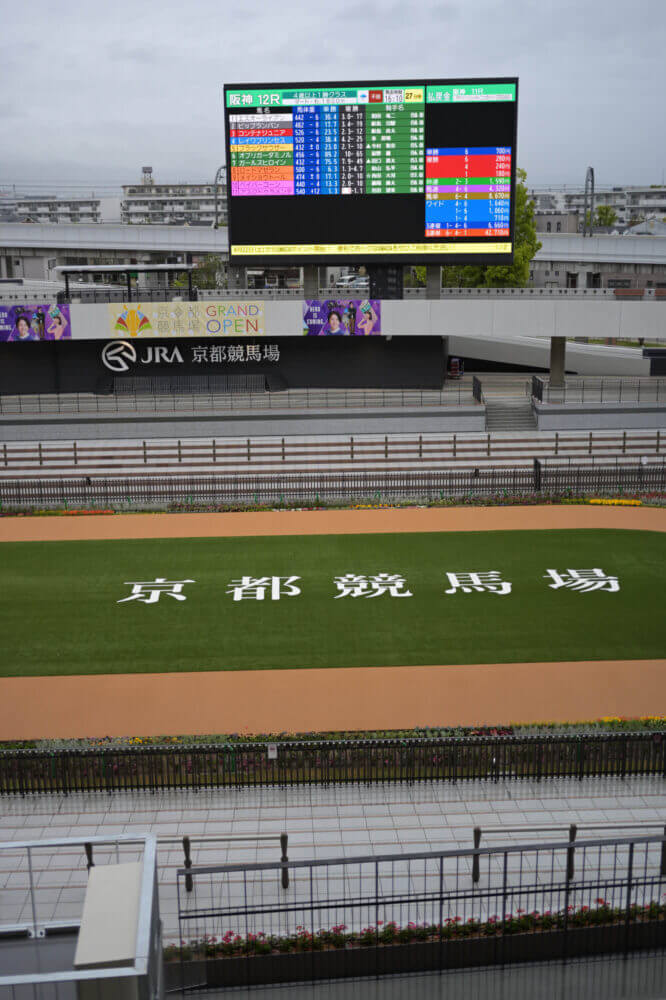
<point>559,227</point>
<point>548,227</point>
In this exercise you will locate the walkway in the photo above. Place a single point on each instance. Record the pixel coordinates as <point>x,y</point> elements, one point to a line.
<point>322,822</point>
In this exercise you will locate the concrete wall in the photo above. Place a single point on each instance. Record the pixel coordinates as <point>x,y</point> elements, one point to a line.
<point>449,420</point>
<point>593,416</point>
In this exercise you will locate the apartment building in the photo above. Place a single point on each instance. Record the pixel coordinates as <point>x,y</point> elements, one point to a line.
<point>632,204</point>
<point>172,204</point>
<point>51,208</point>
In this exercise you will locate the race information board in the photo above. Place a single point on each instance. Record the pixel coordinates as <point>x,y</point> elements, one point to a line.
<point>372,172</point>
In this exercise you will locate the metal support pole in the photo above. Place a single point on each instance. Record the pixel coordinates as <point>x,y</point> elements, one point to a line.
<point>627,915</point>
<point>662,867</point>
<point>129,286</point>
<point>189,286</point>
<point>67,285</point>
<point>32,894</point>
<point>475,859</point>
<point>188,864</point>
<point>570,852</point>
<point>284,839</point>
<point>89,855</point>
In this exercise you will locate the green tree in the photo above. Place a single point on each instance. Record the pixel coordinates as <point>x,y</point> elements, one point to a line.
<point>605,215</point>
<point>526,246</point>
<point>415,277</point>
<point>205,275</point>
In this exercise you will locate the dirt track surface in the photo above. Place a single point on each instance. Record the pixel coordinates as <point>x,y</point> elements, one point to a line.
<point>328,522</point>
<point>311,700</point>
<point>325,700</point>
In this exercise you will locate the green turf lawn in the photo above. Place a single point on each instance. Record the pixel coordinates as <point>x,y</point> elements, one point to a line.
<point>59,612</point>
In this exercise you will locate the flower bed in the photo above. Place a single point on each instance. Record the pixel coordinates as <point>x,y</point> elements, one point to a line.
<point>232,944</point>
<point>501,499</point>
<point>253,959</point>
<point>606,724</point>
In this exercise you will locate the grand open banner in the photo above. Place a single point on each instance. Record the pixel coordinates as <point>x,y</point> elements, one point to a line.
<point>187,319</point>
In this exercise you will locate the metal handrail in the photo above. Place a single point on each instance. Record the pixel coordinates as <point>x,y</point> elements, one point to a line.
<point>460,852</point>
<point>573,828</point>
<point>55,403</point>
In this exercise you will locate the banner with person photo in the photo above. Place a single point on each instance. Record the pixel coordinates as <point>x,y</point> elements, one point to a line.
<point>341,317</point>
<point>42,321</point>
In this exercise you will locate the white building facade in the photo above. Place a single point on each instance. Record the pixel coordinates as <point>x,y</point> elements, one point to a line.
<point>632,204</point>
<point>172,204</point>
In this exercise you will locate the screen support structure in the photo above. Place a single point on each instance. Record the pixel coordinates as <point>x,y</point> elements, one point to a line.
<point>386,281</point>
<point>433,281</point>
<point>311,281</point>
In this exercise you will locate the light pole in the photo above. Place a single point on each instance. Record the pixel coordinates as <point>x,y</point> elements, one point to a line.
<point>221,171</point>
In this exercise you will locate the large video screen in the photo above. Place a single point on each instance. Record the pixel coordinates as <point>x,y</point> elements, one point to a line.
<point>415,172</point>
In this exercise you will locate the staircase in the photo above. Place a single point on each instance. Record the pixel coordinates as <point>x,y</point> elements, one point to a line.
<point>509,414</point>
<point>508,402</point>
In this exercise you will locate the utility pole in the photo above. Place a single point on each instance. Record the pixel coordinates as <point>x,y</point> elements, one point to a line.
<point>589,193</point>
<point>216,188</point>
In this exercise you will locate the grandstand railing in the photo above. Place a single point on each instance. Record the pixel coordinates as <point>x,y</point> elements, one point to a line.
<point>202,399</point>
<point>310,762</point>
<point>633,391</point>
<point>344,487</point>
<point>363,453</point>
<point>397,913</point>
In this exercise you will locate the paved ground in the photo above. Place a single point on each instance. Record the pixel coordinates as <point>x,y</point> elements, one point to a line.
<point>322,822</point>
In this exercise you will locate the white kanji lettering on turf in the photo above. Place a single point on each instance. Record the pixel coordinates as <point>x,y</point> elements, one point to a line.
<point>251,588</point>
<point>149,592</point>
<point>489,581</point>
<point>352,585</point>
<point>583,580</point>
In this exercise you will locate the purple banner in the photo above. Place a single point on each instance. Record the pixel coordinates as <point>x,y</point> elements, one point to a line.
<point>341,317</point>
<point>42,321</point>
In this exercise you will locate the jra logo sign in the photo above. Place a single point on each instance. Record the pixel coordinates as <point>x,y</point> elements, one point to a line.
<point>118,356</point>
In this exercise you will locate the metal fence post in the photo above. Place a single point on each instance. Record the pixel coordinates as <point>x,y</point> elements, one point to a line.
<point>662,866</point>
<point>627,918</point>
<point>89,855</point>
<point>188,864</point>
<point>570,852</point>
<point>284,839</point>
<point>32,893</point>
<point>475,859</point>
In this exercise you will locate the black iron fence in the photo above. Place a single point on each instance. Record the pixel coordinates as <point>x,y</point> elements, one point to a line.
<point>633,391</point>
<point>398,913</point>
<point>333,761</point>
<point>90,294</point>
<point>312,488</point>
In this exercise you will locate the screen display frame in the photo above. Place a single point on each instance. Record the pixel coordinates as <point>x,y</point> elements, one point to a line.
<point>453,255</point>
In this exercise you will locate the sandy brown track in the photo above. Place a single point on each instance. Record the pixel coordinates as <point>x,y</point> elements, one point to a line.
<point>328,522</point>
<point>351,698</point>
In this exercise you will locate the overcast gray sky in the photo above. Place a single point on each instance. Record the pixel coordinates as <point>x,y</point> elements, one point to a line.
<point>91,92</point>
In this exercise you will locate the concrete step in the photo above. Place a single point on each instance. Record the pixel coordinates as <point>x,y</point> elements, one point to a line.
<point>513,415</point>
